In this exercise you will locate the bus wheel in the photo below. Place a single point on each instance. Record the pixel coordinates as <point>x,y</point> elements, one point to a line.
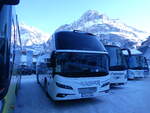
<point>37,79</point>
<point>46,86</point>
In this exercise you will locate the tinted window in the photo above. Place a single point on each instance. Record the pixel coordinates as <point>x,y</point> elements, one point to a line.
<point>137,62</point>
<point>81,64</point>
<point>78,41</point>
<point>1,6</point>
<point>117,59</point>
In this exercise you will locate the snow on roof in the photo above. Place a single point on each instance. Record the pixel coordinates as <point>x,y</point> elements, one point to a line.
<point>133,52</point>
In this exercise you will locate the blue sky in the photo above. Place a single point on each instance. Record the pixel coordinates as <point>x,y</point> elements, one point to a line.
<point>48,15</point>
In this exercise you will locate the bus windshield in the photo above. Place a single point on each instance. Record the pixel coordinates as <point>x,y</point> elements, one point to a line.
<point>117,59</point>
<point>77,41</point>
<point>75,64</point>
<point>0,6</point>
<point>137,62</point>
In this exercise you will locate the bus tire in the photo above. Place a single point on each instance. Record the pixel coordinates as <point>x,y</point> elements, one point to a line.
<point>37,79</point>
<point>46,86</point>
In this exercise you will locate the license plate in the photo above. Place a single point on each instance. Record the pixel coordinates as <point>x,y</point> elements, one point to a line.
<point>88,90</point>
<point>86,95</point>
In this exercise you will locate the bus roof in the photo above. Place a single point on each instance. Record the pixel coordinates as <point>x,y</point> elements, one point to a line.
<point>112,46</point>
<point>74,40</point>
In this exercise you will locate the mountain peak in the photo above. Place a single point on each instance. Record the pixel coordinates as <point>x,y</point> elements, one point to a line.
<point>31,35</point>
<point>92,15</point>
<point>109,30</point>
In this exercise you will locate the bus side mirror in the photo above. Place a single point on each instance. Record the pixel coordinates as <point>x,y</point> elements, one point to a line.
<point>50,62</point>
<point>9,2</point>
<point>47,62</point>
<point>53,62</point>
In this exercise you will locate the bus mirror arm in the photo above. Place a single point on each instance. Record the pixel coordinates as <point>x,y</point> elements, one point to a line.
<point>48,64</point>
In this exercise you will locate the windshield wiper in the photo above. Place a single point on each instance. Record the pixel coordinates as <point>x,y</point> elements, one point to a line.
<point>1,6</point>
<point>83,74</point>
<point>138,68</point>
<point>121,67</point>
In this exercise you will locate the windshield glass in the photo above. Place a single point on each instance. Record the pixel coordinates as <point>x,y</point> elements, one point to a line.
<point>137,62</point>
<point>0,19</point>
<point>77,41</point>
<point>2,46</point>
<point>81,64</point>
<point>0,6</point>
<point>117,59</point>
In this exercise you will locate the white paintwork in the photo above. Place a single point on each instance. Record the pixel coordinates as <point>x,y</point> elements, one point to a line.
<point>76,83</point>
<point>118,77</point>
<point>135,73</point>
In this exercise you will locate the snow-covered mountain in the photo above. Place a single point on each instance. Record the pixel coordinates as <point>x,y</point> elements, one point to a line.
<point>32,36</point>
<point>109,30</point>
<point>145,48</point>
<point>147,42</point>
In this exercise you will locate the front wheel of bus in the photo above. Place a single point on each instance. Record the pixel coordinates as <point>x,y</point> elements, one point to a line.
<point>37,79</point>
<point>46,86</point>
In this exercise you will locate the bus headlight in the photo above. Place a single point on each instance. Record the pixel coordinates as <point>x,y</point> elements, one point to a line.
<point>63,86</point>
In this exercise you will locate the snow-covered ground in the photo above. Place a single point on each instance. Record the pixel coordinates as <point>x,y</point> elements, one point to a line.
<point>134,97</point>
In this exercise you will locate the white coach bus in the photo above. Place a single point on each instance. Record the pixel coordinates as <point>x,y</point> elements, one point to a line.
<point>118,65</point>
<point>137,64</point>
<point>10,53</point>
<point>76,65</point>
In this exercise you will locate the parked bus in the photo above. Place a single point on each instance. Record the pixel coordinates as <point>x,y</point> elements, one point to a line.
<point>137,64</point>
<point>76,65</point>
<point>118,65</point>
<point>10,53</point>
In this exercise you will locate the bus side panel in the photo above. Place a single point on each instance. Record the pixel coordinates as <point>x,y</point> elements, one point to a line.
<point>98,85</point>
<point>118,77</point>
<point>14,56</point>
